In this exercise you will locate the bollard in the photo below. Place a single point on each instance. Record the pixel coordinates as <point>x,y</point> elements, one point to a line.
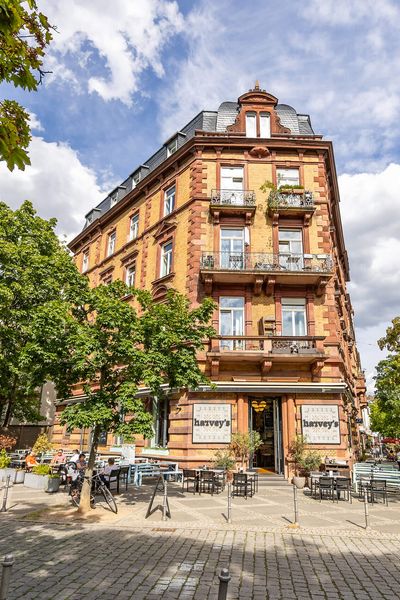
<point>366,509</point>
<point>165,501</point>
<point>229,502</point>
<point>224,579</point>
<point>7,565</point>
<point>296,511</point>
<point>5,495</point>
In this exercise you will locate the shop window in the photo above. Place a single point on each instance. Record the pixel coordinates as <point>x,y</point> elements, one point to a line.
<point>160,423</point>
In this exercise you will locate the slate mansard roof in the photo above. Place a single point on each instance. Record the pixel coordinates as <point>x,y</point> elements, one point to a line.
<point>212,121</point>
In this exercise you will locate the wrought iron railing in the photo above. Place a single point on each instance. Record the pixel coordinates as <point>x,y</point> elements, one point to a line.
<point>258,261</point>
<point>233,198</point>
<point>303,200</point>
<point>270,344</point>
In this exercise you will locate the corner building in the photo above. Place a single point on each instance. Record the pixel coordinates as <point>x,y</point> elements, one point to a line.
<point>198,217</point>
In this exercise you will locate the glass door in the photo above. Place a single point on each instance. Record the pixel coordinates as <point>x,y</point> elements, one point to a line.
<point>291,249</point>
<point>231,321</point>
<point>278,448</point>
<point>232,248</point>
<point>232,185</point>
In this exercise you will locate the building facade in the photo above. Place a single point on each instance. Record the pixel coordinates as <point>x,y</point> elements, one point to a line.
<point>242,205</point>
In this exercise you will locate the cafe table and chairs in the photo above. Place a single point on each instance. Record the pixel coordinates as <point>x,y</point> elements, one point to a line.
<point>243,485</point>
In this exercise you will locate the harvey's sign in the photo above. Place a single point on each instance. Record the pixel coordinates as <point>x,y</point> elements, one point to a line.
<point>320,423</point>
<point>211,423</point>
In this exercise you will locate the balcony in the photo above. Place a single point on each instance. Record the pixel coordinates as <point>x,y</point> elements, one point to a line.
<point>267,351</point>
<point>257,268</point>
<point>291,203</point>
<point>233,202</point>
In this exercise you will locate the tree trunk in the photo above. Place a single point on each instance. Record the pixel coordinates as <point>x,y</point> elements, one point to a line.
<point>84,504</point>
<point>7,414</point>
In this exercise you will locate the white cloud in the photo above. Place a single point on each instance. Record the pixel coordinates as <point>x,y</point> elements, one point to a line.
<point>34,122</point>
<point>58,185</point>
<point>128,37</point>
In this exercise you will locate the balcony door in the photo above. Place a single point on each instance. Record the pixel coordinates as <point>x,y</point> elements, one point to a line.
<point>232,248</point>
<point>291,249</point>
<point>231,321</point>
<point>294,319</point>
<point>232,185</point>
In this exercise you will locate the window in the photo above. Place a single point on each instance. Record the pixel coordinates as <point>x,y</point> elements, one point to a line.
<point>111,243</point>
<point>134,227</point>
<point>169,200</point>
<point>294,321</point>
<point>130,275</point>
<point>232,248</point>
<point>160,422</point>
<point>135,180</point>
<point>231,320</point>
<point>287,177</point>
<point>291,249</point>
<point>166,259</point>
<point>172,147</point>
<point>114,199</point>
<point>232,185</point>
<point>265,125</point>
<point>251,124</point>
<point>85,261</point>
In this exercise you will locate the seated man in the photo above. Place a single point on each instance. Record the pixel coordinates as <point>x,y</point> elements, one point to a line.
<point>59,458</point>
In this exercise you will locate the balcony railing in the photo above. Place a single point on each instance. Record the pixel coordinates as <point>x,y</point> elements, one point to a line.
<point>254,261</point>
<point>268,344</point>
<point>238,198</point>
<point>304,200</point>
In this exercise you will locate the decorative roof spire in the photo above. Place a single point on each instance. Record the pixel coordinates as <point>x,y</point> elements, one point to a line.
<point>257,85</point>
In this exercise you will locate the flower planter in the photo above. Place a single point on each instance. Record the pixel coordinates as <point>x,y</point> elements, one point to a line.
<point>16,475</point>
<point>53,484</point>
<point>37,482</point>
<point>299,482</point>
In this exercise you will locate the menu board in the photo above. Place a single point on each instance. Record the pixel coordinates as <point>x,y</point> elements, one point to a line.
<point>211,423</point>
<point>320,423</point>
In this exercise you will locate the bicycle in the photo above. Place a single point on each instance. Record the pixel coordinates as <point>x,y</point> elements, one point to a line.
<point>98,487</point>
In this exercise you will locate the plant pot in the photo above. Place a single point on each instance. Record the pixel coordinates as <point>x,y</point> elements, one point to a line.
<point>53,484</point>
<point>299,482</point>
<point>37,482</point>
<point>8,471</point>
<point>19,476</point>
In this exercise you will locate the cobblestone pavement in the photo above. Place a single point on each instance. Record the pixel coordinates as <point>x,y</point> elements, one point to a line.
<point>103,562</point>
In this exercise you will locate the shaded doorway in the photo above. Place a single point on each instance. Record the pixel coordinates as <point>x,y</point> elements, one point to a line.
<point>265,417</point>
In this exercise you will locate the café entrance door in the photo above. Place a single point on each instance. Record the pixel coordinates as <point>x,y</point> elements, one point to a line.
<point>265,417</point>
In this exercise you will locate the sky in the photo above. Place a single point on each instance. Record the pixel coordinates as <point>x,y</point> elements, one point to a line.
<point>125,75</point>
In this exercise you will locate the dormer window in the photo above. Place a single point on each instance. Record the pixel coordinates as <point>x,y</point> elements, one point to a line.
<point>135,180</point>
<point>113,199</point>
<point>265,125</point>
<point>89,219</point>
<point>172,147</point>
<point>169,200</point>
<point>258,124</point>
<point>251,124</point>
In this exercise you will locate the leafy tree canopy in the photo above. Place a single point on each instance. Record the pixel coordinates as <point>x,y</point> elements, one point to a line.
<point>35,268</point>
<point>24,35</point>
<point>385,410</point>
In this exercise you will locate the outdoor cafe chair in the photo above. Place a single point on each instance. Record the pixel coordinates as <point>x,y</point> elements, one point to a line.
<point>208,482</point>
<point>343,485</point>
<point>113,478</point>
<point>376,489</point>
<point>326,488</point>
<point>243,485</point>
<point>190,476</point>
<point>124,476</point>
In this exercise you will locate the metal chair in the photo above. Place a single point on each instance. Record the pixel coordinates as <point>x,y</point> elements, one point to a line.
<point>207,482</point>
<point>190,475</point>
<point>112,478</point>
<point>326,488</point>
<point>343,486</point>
<point>243,485</point>
<point>376,489</point>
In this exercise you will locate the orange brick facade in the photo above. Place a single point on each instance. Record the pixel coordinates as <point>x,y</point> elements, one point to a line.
<point>260,363</point>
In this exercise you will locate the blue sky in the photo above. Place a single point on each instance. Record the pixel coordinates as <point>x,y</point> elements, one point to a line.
<point>127,74</point>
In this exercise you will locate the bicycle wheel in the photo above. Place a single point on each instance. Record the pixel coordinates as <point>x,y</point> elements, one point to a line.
<point>108,497</point>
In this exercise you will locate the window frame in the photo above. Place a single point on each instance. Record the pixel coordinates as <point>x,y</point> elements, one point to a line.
<point>290,183</point>
<point>251,113</point>
<point>132,219</point>
<point>172,147</point>
<point>111,246</point>
<point>128,273</point>
<point>167,198</point>
<point>169,263</point>
<point>85,261</point>
<point>297,305</point>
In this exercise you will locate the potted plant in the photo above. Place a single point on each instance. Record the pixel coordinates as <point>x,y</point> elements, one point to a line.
<point>310,461</point>
<point>53,483</point>
<point>42,445</point>
<point>243,445</point>
<point>296,455</point>
<point>39,477</point>
<point>4,464</point>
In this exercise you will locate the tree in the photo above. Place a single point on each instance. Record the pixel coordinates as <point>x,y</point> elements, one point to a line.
<point>385,410</point>
<point>111,348</point>
<point>24,35</point>
<point>35,268</point>
<point>42,445</point>
<point>244,444</point>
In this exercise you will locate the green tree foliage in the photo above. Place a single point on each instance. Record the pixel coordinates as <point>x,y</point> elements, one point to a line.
<point>24,35</point>
<point>42,445</point>
<point>35,268</point>
<point>111,348</point>
<point>385,410</point>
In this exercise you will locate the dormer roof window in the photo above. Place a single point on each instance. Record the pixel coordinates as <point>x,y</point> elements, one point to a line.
<point>113,199</point>
<point>172,146</point>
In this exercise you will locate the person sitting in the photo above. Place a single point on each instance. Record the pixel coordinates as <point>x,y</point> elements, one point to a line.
<point>59,458</point>
<point>81,463</point>
<point>75,457</point>
<point>30,461</point>
<point>106,470</point>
